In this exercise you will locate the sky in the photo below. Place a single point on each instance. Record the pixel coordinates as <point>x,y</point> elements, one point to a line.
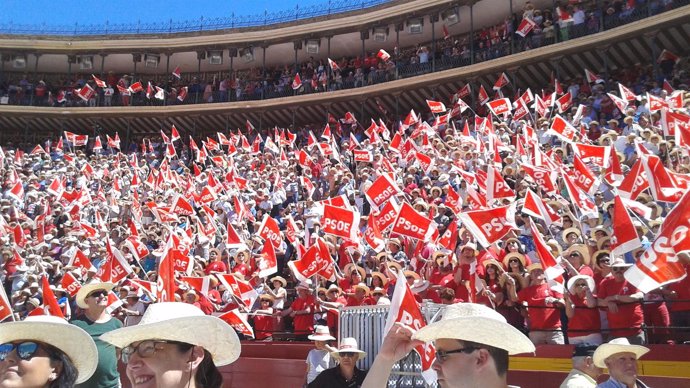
<point>68,12</point>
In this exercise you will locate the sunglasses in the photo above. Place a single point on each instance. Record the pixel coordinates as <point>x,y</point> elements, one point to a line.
<point>144,349</point>
<point>618,269</point>
<point>442,356</point>
<point>25,350</point>
<point>581,285</point>
<point>347,354</point>
<point>97,294</point>
<point>513,261</point>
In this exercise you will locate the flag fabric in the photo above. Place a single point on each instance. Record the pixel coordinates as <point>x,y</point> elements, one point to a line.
<point>483,96</point>
<point>405,310</point>
<point>334,66</point>
<point>177,73</point>
<point>383,189</point>
<point>50,303</point>
<point>624,237</point>
<point>383,55</point>
<point>238,321</point>
<point>436,106</point>
<point>592,77</point>
<point>86,93</point>
<point>296,82</point>
<point>501,81</point>
<point>340,222</point>
<point>99,82</point>
<point>552,269</point>
<point>411,224</point>
<point>525,27</point>
<point>490,225</point>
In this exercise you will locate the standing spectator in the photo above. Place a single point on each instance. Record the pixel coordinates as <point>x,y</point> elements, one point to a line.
<point>319,359</point>
<point>302,311</point>
<point>622,299</point>
<point>584,324</point>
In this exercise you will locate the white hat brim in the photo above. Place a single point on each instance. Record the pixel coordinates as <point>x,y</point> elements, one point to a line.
<point>605,351</point>
<point>70,339</point>
<point>480,330</point>
<point>336,354</point>
<point>209,332</point>
<point>321,337</point>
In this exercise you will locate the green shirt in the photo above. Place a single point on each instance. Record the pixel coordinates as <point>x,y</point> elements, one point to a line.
<point>106,375</point>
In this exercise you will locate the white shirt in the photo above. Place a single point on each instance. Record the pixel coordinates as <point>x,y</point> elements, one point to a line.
<point>318,361</point>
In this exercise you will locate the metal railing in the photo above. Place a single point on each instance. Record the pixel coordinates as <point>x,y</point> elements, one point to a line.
<point>327,9</point>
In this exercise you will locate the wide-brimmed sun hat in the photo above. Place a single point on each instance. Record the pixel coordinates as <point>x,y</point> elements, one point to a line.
<point>70,339</point>
<point>182,322</point>
<point>348,345</point>
<point>587,278</point>
<point>476,323</point>
<point>279,279</point>
<point>617,345</point>
<point>321,333</point>
<point>86,289</point>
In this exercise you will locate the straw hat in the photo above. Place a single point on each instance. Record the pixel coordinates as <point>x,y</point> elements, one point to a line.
<point>348,345</point>
<point>182,322</point>
<point>304,285</point>
<point>569,231</point>
<point>534,266</point>
<point>495,263</point>
<point>393,266</point>
<point>334,287</point>
<point>70,339</point>
<point>582,250</point>
<point>513,255</point>
<point>193,292</point>
<point>321,333</point>
<point>419,285</point>
<point>617,345</point>
<point>384,279</point>
<point>619,262</point>
<point>89,288</point>
<point>350,267</point>
<point>279,279</point>
<point>414,274</point>
<point>476,323</point>
<point>378,291</point>
<point>364,287</point>
<point>267,297</point>
<point>587,278</point>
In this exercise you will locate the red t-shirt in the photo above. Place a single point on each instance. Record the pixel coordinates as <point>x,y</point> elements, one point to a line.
<point>304,323</point>
<point>586,270</point>
<point>263,326</point>
<point>586,320</point>
<point>682,289</point>
<point>367,301</point>
<point>541,315</point>
<point>629,315</point>
<point>216,266</point>
<point>332,315</point>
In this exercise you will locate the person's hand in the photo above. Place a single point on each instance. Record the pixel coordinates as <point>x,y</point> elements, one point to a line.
<point>398,343</point>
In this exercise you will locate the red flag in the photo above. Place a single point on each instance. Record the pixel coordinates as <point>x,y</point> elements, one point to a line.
<point>592,77</point>
<point>661,183</point>
<point>99,82</point>
<point>412,224</point>
<point>165,285</point>
<point>659,264</point>
<point>634,182</point>
<point>436,106</point>
<point>583,176</point>
<point>70,284</point>
<point>86,93</point>
<point>552,269</point>
<point>564,102</point>
<point>372,234</point>
<point>240,288</point>
<point>269,230</point>
<point>579,198</point>
<point>667,56</point>
<point>501,81</point>
<point>383,188</point>
<point>626,93</point>
<point>311,263</point>
<point>563,129</point>
<point>491,225</point>
<point>500,106</point>
<point>536,207</point>
<point>496,186</point>
<point>5,306</point>
<point>340,222</point>
<point>404,309</point>
<point>238,321</point>
<point>383,55</point>
<point>333,65</point>
<point>267,263</point>
<point>296,82</point>
<point>136,87</point>
<point>50,303</point>
<point>526,25</point>
<point>624,237</point>
<point>483,96</point>
<point>177,73</point>
<point>182,94</point>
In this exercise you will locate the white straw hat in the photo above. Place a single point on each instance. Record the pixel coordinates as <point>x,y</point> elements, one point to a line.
<point>617,345</point>
<point>182,322</point>
<point>70,339</point>
<point>348,345</point>
<point>587,278</point>
<point>321,333</point>
<point>86,289</point>
<point>476,323</point>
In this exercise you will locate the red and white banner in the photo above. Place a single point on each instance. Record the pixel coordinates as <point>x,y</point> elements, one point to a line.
<point>270,231</point>
<point>541,176</point>
<point>382,190</point>
<point>660,264</point>
<point>340,222</point>
<point>136,247</point>
<point>564,102</point>
<point>268,262</point>
<point>536,207</point>
<point>500,106</point>
<point>634,182</point>
<point>552,269</point>
<point>405,310</point>
<point>373,236</point>
<point>589,153</point>
<point>563,129</point>
<point>238,321</point>
<point>661,183</point>
<point>412,224</point>
<point>501,81</point>
<point>579,198</point>
<point>165,284</point>
<point>454,201</point>
<point>5,306</point>
<point>312,262</point>
<point>362,156</point>
<point>387,215</point>
<point>624,237</point>
<point>242,290</point>
<point>490,225</point>
<point>70,284</point>
<point>436,106</point>
<point>526,25</point>
<point>50,303</point>
<point>496,186</point>
<point>583,176</point>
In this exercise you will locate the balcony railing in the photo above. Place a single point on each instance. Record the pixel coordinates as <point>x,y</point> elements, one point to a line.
<point>331,8</point>
<point>270,88</point>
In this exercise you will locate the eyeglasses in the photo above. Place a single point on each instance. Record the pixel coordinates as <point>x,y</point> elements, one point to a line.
<point>145,349</point>
<point>574,255</point>
<point>97,293</point>
<point>347,354</point>
<point>513,261</point>
<point>581,285</point>
<point>442,355</point>
<point>25,350</point>
<point>618,269</point>
<point>605,261</point>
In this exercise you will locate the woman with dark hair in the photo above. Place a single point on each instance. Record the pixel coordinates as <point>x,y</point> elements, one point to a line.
<point>176,345</point>
<point>45,351</point>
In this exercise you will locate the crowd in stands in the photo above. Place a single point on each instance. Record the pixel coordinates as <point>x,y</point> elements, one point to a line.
<point>561,23</point>
<point>77,210</point>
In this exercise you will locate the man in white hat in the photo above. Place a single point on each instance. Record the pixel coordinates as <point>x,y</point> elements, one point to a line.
<point>622,299</point>
<point>345,374</point>
<point>93,300</point>
<point>620,357</point>
<point>472,343</point>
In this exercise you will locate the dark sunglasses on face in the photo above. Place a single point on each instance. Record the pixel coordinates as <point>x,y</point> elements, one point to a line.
<point>25,350</point>
<point>347,354</point>
<point>97,294</point>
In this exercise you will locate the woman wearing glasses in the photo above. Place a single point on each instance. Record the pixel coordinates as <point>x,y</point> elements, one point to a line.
<point>45,351</point>
<point>345,374</point>
<point>584,324</point>
<point>176,346</point>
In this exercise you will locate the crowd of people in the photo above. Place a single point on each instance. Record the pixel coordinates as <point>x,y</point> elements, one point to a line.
<point>549,25</point>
